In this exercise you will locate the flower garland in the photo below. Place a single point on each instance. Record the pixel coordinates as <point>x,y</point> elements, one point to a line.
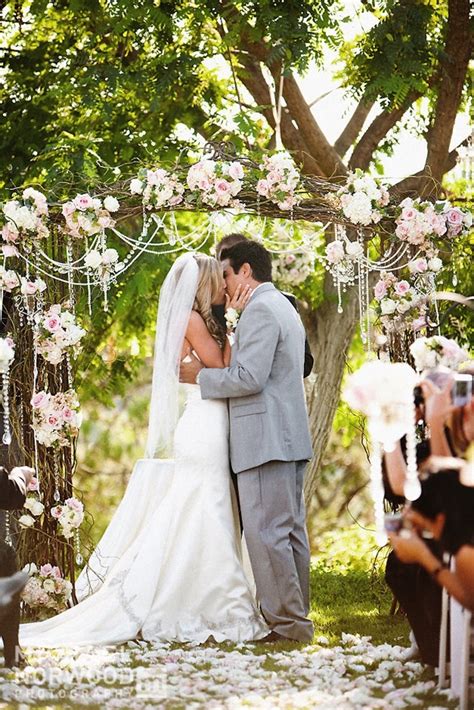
<point>397,300</point>
<point>69,516</point>
<point>363,199</point>
<point>86,215</point>
<point>25,219</point>
<point>56,418</point>
<point>57,334</point>
<point>215,183</point>
<point>280,181</point>
<point>158,188</point>
<point>419,222</point>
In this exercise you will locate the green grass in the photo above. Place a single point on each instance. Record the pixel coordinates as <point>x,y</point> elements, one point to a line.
<point>348,592</point>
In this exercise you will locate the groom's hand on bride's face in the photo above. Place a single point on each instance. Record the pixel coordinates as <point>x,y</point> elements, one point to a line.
<point>189,370</point>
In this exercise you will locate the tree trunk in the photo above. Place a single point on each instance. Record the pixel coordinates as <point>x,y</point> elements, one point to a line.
<point>330,334</point>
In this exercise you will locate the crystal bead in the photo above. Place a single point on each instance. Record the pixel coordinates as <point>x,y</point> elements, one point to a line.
<point>455,280</point>
<point>79,559</point>
<point>56,495</point>
<point>6,438</point>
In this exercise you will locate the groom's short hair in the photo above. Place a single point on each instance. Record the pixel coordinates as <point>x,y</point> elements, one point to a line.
<point>252,253</point>
<point>229,241</point>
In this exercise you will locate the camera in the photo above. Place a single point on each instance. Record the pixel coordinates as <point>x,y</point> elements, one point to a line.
<point>461,391</point>
<point>393,522</point>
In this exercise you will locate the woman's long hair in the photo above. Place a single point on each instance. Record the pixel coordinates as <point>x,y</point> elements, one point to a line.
<point>209,286</point>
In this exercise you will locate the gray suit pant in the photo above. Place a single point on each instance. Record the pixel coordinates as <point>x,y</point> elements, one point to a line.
<point>273,514</point>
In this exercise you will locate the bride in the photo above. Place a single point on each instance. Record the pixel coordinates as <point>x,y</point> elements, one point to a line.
<point>169,565</point>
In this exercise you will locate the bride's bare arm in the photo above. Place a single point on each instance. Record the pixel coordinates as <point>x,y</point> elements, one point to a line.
<point>202,342</point>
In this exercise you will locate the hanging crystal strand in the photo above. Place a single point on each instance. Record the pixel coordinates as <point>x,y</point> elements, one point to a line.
<point>376,487</point>
<point>8,532</point>
<point>69,260</point>
<point>56,494</point>
<point>105,274</point>
<point>360,289</point>
<point>7,437</point>
<point>69,378</point>
<point>35,383</point>
<point>77,547</point>
<point>339,296</point>
<point>411,487</point>
<point>367,310</point>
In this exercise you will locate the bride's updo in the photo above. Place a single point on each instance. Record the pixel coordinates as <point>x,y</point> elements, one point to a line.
<point>209,286</point>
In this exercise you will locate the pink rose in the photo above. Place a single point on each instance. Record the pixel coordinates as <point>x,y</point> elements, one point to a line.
<point>28,288</point>
<point>290,259</point>
<point>53,420</point>
<point>68,209</point>
<point>83,202</point>
<point>67,414</point>
<point>204,184</point>
<point>9,233</point>
<point>75,505</point>
<point>10,342</point>
<point>454,216</point>
<point>402,231</point>
<point>52,323</point>
<point>33,485</point>
<point>39,400</point>
<point>56,512</point>
<point>263,187</point>
<point>46,570</point>
<point>419,323</point>
<point>236,171</point>
<point>418,266</point>
<point>222,187</point>
<point>9,250</point>
<point>56,572</point>
<point>402,288</point>
<point>380,290</point>
<point>335,252</point>
<point>409,213</point>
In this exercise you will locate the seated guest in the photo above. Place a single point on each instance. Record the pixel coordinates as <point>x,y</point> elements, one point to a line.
<point>13,488</point>
<point>445,510</point>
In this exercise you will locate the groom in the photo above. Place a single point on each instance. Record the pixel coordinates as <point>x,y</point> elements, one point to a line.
<point>269,438</point>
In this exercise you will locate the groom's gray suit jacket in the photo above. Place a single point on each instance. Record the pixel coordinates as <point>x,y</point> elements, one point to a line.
<point>264,384</point>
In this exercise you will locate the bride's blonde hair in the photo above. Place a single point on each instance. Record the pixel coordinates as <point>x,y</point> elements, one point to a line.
<point>209,285</point>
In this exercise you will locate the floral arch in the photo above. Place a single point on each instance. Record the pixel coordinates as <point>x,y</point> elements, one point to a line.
<point>53,252</point>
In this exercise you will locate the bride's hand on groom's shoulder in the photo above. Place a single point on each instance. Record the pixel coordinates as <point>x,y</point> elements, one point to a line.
<point>239,299</point>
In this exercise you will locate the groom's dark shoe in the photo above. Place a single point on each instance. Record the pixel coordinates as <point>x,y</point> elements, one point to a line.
<point>274,637</point>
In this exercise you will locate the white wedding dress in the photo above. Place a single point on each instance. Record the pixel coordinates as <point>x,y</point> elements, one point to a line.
<point>169,565</point>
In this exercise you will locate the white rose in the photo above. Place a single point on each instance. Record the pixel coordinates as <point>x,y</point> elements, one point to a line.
<point>26,521</point>
<point>111,204</point>
<point>110,256</point>
<point>136,186</point>
<point>403,306</point>
<point>25,218</point>
<point>10,209</point>
<point>388,306</point>
<point>49,585</point>
<point>30,568</point>
<point>40,285</point>
<point>354,250</point>
<point>34,506</point>
<point>435,264</point>
<point>93,259</point>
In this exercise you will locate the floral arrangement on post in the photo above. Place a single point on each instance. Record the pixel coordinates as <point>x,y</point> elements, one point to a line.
<point>56,418</point>
<point>86,215</point>
<point>281,180</point>
<point>34,508</point>
<point>363,199</point>
<point>215,183</point>
<point>397,303</point>
<point>57,333</point>
<point>419,222</point>
<point>158,187</point>
<point>25,219</point>
<point>46,592</point>
<point>437,351</point>
<point>69,515</point>
<point>292,269</point>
